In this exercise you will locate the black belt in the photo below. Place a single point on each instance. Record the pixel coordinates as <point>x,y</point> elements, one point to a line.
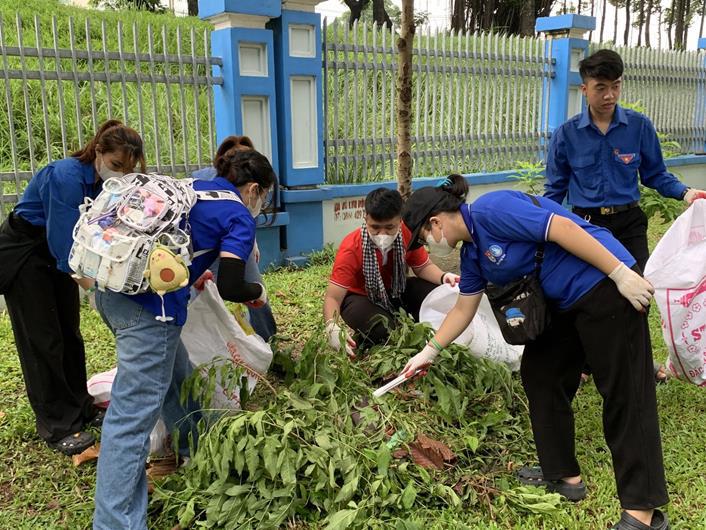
<point>606,210</point>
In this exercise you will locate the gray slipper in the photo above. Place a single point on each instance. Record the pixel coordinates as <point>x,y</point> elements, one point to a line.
<point>628,522</point>
<point>533,476</point>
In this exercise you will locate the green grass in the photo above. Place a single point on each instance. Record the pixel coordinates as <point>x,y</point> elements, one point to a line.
<point>39,489</point>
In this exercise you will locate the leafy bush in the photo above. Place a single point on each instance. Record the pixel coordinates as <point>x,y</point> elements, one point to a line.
<point>322,450</point>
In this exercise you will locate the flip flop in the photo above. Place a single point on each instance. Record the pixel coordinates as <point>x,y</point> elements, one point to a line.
<point>533,476</point>
<point>628,522</point>
<point>97,420</point>
<point>73,444</point>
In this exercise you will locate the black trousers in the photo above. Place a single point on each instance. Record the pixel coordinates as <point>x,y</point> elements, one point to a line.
<point>43,304</point>
<point>603,329</point>
<point>359,312</point>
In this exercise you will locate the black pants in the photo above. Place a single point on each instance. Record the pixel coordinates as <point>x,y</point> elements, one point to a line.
<point>359,312</point>
<point>604,329</point>
<point>630,228</point>
<point>43,304</point>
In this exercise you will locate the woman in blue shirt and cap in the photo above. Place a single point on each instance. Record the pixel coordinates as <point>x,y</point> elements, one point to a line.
<point>42,298</point>
<point>597,304</point>
<point>152,361</point>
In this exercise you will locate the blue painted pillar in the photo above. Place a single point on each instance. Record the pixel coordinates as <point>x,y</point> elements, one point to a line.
<point>700,111</point>
<point>566,46</point>
<point>246,101</point>
<point>297,43</point>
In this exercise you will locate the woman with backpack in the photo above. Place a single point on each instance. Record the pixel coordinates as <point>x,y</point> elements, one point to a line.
<point>42,298</point>
<point>596,303</point>
<point>152,361</point>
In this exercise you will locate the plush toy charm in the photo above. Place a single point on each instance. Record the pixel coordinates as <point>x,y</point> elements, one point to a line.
<point>166,272</point>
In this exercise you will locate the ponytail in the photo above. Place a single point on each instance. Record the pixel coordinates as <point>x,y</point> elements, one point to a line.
<point>456,186</point>
<point>113,136</point>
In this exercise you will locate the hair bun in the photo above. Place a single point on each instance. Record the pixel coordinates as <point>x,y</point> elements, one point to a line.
<point>456,185</point>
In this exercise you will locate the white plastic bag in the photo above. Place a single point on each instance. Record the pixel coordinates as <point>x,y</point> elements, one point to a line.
<point>100,386</point>
<point>482,337</point>
<point>677,270</point>
<point>212,332</point>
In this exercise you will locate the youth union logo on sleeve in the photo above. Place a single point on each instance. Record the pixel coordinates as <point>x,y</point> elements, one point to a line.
<point>495,253</point>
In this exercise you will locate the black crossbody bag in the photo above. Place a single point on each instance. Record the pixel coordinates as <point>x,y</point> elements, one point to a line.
<point>520,307</point>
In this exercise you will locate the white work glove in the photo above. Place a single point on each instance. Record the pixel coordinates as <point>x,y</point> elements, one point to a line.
<point>632,286</point>
<point>259,301</point>
<point>421,361</point>
<point>335,333</point>
<point>692,194</point>
<point>450,279</point>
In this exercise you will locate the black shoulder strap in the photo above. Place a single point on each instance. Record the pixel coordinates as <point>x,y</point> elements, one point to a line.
<point>539,254</point>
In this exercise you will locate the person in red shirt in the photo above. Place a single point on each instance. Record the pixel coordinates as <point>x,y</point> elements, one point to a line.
<point>369,276</point>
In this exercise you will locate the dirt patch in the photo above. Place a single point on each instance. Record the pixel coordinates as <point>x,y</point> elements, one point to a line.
<point>450,263</point>
<point>5,493</point>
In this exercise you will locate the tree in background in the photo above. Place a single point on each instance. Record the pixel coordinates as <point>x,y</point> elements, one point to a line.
<point>148,5</point>
<point>192,7</point>
<point>382,12</point>
<point>515,17</point>
<point>405,44</point>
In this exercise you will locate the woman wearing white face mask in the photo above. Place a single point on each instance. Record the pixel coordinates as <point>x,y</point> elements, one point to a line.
<point>152,361</point>
<point>369,276</point>
<point>597,307</point>
<point>42,298</point>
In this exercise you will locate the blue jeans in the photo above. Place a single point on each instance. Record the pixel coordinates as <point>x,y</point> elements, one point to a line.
<point>152,364</point>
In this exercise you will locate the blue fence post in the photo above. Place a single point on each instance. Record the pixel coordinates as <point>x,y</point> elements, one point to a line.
<point>297,43</point>
<point>566,47</point>
<point>246,102</point>
<point>700,111</point>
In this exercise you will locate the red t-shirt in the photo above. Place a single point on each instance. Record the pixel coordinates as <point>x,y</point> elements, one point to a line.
<point>348,267</point>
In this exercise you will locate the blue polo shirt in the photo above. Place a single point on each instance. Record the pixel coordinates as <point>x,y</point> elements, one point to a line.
<point>506,227</point>
<point>597,169</point>
<point>52,198</point>
<point>223,226</point>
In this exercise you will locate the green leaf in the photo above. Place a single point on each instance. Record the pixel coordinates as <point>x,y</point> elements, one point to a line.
<point>323,441</point>
<point>347,491</point>
<point>239,489</point>
<point>341,519</point>
<point>299,403</point>
<point>384,457</point>
<point>472,442</point>
<point>287,472</point>
<point>409,495</point>
<point>269,455</point>
<point>252,459</point>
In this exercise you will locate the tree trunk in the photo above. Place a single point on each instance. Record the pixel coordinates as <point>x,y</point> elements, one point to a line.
<point>578,8</point>
<point>405,42</point>
<point>458,16</point>
<point>703,14</point>
<point>647,23</point>
<point>527,19</point>
<point>380,15</point>
<point>356,7</point>
<point>626,33</point>
<point>687,22</point>
<point>600,36</point>
<point>593,9</point>
<point>193,7</point>
<point>670,24</point>
<point>640,22</point>
<point>488,12</point>
<point>615,26</point>
<point>678,18</point>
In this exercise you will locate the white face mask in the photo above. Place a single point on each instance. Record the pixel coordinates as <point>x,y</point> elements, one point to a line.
<point>105,173</point>
<point>257,207</point>
<point>383,241</point>
<point>440,248</point>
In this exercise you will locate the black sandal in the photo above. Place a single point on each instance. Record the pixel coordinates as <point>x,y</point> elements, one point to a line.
<point>628,522</point>
<point>97,420</point>
<point>73,444</point>
<point>533,476</point>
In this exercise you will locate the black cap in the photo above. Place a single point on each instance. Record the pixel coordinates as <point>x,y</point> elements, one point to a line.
<point>417,211</point>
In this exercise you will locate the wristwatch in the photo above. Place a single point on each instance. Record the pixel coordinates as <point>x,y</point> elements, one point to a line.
<point>685,192</point>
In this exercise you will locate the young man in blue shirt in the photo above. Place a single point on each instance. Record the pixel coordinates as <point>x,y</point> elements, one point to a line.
<point>597,159</point>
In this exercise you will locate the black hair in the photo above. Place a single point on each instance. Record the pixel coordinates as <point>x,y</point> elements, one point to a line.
<point>242,167</point>
<point>382,204</point>
<point>603,64</point>
<point>431,201</point>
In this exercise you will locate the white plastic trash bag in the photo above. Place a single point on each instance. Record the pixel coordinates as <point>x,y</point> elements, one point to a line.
<point>212,332</point>
<point>482,337</point>
<point>677,270</point>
